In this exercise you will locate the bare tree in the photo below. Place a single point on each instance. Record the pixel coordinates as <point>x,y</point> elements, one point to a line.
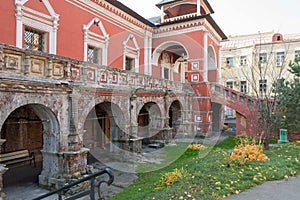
<point>258,75</point>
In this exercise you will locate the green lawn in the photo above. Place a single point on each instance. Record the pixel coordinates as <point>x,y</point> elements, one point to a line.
<point>210,177</point>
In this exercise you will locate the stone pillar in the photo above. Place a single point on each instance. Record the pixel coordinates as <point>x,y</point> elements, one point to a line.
<point>3,169</point>
<point>133,116</point>
<point>2,65</point>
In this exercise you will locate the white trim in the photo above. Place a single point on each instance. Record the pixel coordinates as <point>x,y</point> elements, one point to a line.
<point>29,17</point>
<point>177,32</point>
<point>107,14</point>
<point>280,50</point>
<point>198,7</point>
<point>219,65</point>
<point>205,75</point>
<point>132,52</point>
<point>95,40</point>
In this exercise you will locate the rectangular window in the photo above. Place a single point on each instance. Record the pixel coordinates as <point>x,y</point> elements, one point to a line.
<point>262,59</point>
<point>297,55</point>
<point>243,60</point>
<point>280,56</point>
<point>129,64</point>
<point>93,55</point>
<point>229,112</point>
<point>263,85</point>
<point>34,39</point>
<point>229,61</point>
<point>166,73</point>
<point>243,87</point>
<point>229,84</point>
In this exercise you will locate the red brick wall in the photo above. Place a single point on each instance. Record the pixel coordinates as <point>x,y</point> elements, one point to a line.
<point>22,130</point>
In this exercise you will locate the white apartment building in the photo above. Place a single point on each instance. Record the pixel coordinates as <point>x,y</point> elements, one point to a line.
<point>252,63</point>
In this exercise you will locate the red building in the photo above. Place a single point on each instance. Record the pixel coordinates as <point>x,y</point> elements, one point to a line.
<point>68,65</point>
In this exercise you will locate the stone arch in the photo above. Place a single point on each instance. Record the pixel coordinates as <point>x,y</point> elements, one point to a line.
<point>103,125</point>
<point>149,120</point>
<point>90,104</point>
<point>177,66</point>
<point>178,48</point>
<point>51,127</point>
<point>41,137</point>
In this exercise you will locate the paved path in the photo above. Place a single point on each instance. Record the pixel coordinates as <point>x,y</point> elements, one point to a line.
<point>288,189</point>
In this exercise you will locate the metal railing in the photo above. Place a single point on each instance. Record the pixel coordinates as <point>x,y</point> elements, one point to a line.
<point>90,192</point>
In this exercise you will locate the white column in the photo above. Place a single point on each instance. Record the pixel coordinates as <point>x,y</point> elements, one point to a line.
<point>146,53</point>
<point>162,14</point>
<point>182,78</point>
<point>198,7</point>
<point>19,26</point>
<point>105,52</point>
<point>205,73</point>
<point>150,55</point>
<point>219,65</point>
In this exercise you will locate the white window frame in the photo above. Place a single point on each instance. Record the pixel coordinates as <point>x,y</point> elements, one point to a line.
<point>263,85</point>
<point>229,61</point>
<point>229,84</point>
<point>280,57</point>
<point>297,54</point>
<point>243,60</point>
<point>132,52</point>
<point>243,86</point>
<point>96,55</point>
<point>31,18</point>
<point>95,40</point>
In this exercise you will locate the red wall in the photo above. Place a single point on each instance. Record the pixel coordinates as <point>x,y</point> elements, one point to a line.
<point>8,22</point>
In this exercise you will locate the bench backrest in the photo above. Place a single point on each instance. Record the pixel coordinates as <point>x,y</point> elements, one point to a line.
<point>14,155</point>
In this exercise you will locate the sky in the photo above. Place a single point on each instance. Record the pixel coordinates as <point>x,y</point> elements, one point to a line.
<point>238,17</point>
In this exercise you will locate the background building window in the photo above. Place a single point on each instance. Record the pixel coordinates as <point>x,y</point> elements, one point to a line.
<point>297,55</point>
<point>229,84</point>
<point>93,55</point>
<point>229,61</point>
<point>263,85</point>
<point>129,64</point>
<point>34,39</point>
<point>243,87</point>
<point>280,56</point>
<point>262,59</point>
<point>243,60</point>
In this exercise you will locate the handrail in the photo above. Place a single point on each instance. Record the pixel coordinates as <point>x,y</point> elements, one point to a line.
<point>90,192</point>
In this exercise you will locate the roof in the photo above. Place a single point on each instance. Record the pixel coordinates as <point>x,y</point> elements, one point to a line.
<point>130,12</point>
<point>164,2</point>
<point>208,17</point>
<point>240,41</point>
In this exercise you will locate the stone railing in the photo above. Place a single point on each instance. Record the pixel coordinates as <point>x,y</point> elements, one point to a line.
<point>228,94</point>
<point>34,65</point>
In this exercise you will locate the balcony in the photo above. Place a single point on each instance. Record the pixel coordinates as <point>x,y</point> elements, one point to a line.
<point>28,65</point>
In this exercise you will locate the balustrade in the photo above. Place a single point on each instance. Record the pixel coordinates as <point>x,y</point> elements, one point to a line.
<point>38,65</point>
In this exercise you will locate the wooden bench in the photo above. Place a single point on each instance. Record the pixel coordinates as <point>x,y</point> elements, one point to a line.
<point>17,157</point>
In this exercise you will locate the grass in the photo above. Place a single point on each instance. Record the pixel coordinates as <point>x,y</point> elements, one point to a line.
<point>211,177</point>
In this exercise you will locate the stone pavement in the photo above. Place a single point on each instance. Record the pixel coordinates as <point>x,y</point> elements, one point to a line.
<point>288,189</point>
